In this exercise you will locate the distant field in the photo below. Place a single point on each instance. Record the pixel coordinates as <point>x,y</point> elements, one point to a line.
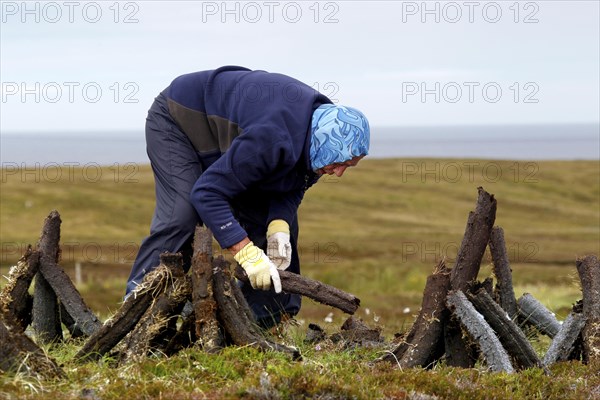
<point>377,232</point>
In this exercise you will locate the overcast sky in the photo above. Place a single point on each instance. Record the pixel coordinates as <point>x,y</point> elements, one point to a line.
<point>96,66</point>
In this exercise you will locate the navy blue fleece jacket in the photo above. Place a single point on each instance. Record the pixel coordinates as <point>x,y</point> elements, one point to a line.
<point>251,130</point>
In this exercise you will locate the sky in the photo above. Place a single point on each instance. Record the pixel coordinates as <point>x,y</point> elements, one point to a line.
<point>97,66</point>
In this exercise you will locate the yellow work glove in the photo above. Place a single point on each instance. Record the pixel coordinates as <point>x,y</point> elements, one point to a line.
<point>258,267</point>
<point>279,248</point>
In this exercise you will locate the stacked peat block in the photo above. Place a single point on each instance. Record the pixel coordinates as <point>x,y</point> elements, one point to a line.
<point>462,320</point>
<point>147,322</point>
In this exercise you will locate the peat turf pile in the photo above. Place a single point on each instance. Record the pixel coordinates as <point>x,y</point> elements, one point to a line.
<point>463,320</point>
<point>168,311</point>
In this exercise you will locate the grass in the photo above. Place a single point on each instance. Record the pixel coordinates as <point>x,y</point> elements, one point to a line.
<point>326,372</point>
<point>377,232</point>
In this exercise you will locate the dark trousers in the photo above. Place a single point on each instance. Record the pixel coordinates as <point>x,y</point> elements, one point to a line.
<point>177,166</point>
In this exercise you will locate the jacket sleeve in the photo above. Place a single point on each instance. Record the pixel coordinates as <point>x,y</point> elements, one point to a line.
<point>250,159</point>
<point>285,206</point>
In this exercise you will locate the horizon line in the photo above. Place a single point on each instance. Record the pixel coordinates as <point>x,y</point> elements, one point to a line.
<point>130,130</point>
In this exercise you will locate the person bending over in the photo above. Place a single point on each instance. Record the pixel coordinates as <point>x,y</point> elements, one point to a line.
<point>235,150</point>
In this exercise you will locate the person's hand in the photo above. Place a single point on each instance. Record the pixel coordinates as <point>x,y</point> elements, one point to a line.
<point>258,267</point>
<point>279,248</point>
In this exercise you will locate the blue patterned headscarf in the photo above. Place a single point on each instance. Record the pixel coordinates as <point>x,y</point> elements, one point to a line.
<point>338,134</point>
